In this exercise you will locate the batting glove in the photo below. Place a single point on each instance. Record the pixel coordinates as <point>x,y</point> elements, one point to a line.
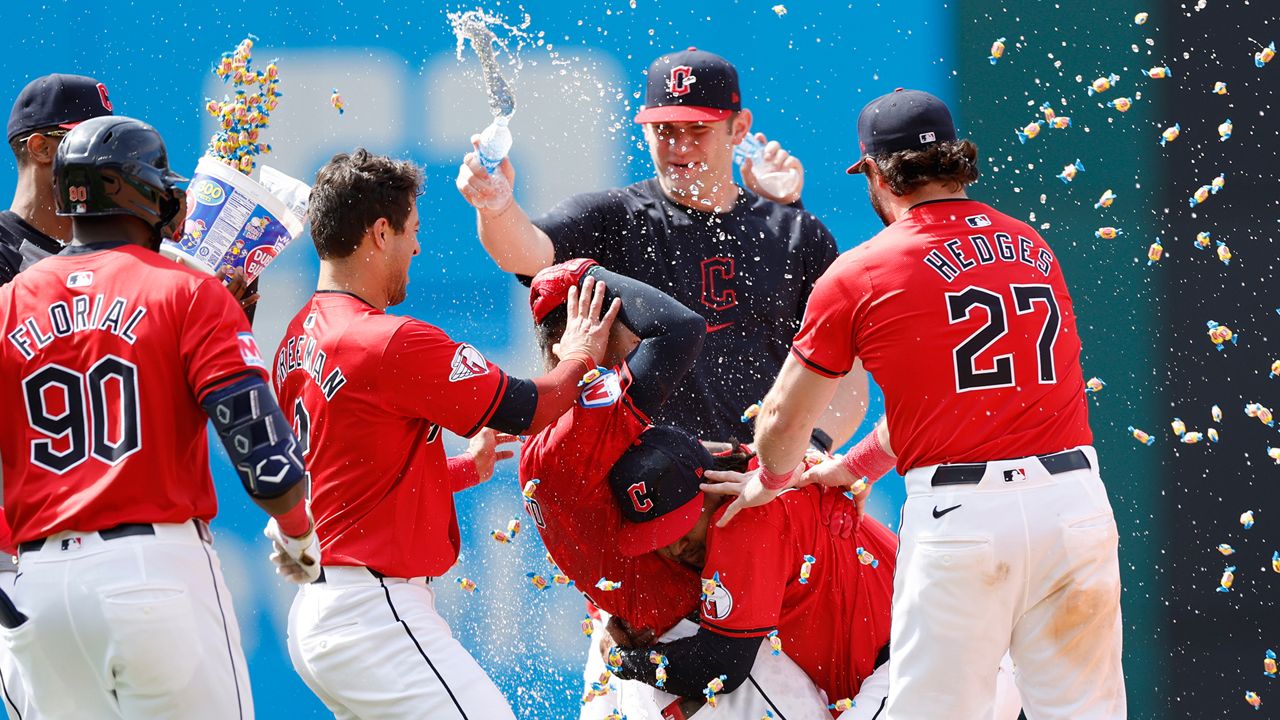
<point>296,559</point>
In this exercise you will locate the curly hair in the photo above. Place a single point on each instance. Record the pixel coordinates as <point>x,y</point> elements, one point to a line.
<point>352,191</point>
<point>953,163</point>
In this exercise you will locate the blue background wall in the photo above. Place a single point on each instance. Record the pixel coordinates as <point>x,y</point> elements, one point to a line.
<point>580,80</point>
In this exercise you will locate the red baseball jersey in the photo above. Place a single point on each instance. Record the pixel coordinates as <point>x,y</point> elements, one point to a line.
<point>578,517</point>
<point>368,394</point>
<point>105,358</point>
<point>832,623</point>
<point>962,316</point>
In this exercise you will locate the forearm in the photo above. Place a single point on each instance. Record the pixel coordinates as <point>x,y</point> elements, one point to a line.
<point>513,241</point>
<point>782,433</point>
<point>671,337</point>
<point>528,406</point>
<point>847,409</point>
<point>692,662</point>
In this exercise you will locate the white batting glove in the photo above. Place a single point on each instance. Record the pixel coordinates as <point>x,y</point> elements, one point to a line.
<point>296,559</point>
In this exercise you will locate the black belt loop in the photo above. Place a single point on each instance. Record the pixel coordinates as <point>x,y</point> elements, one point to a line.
<point>972,473</point>
<point>882,657</point>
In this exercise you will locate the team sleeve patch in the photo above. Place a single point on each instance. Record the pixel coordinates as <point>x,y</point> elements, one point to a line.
<point>249,350</point>
<point>603,391</point>
<point>467,363</point>
<point>717,601</point>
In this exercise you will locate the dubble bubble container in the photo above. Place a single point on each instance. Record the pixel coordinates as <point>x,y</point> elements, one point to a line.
<point>234,221</point>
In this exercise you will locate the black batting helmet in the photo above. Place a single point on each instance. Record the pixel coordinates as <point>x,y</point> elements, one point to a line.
<point>116,166</point>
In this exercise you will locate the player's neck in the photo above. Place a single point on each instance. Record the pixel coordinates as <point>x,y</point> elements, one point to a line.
<point>900,205</point>
<point>353,277</point>
<point>33,202</point>
<point>113,228</point>
<point>721,195</point>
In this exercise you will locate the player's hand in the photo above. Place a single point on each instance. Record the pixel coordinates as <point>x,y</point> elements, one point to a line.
<point>833,474</point>
<point>779,176</point>
<point>296,559</point>
<point>483,449</point>
<point>237,286</point>
<point>747,486</point>
<point>619,632</point>
<point>586,329</point>
<point>490,194</point>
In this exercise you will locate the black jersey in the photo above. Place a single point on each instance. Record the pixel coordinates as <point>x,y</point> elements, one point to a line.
<point>748,272</point>
<point>21,245</point>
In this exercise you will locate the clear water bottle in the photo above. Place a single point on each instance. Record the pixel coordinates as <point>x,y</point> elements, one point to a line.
<point>773,180</point>
<point>495,143</point>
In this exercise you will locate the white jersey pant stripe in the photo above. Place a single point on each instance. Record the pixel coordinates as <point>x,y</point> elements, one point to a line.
<point>133,627</point>
<point>1024,562</point>
<point>375,648</point>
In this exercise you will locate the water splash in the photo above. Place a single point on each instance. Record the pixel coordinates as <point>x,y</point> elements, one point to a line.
<point>478,27</point>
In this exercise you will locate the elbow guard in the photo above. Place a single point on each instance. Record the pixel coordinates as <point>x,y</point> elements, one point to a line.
<point>257,437</point>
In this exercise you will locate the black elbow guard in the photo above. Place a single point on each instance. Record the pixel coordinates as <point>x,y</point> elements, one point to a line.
<point>257,437</point>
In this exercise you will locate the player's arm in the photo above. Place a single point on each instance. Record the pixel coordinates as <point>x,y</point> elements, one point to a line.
<point>693,661</point>
<point>671,337</point>
<point>506,232</point>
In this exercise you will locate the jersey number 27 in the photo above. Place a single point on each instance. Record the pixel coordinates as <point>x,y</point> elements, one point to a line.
<point>960,307</point>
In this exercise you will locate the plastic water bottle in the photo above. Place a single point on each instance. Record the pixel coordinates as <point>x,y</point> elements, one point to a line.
<point>750,147</point>
<point>772,180</point>
<point>495,143</point>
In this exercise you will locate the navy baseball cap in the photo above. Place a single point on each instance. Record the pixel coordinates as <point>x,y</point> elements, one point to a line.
<point>57,101</point>
<point>690,86</point>
<point>902,120</point>
<point>655,483</point>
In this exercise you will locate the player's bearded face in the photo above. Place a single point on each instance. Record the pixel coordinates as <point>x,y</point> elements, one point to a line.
<point>691,158</point>
<point>877,203</point>
<point>400,249</point>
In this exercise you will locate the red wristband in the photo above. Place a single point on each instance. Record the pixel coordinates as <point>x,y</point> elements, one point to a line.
<point>463,472</point>
<point>775,482</point>
<point>295,522</point>
<point>868,459</point>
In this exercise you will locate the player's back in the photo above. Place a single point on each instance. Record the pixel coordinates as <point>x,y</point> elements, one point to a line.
<point>963,318</point>
<point>105,355</point>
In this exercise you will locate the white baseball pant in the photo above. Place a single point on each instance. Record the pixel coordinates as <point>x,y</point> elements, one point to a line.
<point>132,627</point>
<point>873,695</point>
<point>1023,561</point>
<point>14,688</point>
<point>375,648</point>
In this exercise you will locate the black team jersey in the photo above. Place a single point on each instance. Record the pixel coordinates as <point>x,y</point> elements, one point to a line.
<point>748,272</point>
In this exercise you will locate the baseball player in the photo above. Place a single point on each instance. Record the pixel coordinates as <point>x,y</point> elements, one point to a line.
<point>823,597</point>
<point>369,395</point>
<point>962,316</point>
<point>744,261</point>
<point>605,521</point>
<point>114,360</point>
<point>45,111</point>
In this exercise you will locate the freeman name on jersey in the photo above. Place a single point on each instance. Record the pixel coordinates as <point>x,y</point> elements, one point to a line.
<point>1005,249</point>
<point>61,320</point>
<point>300,354</point>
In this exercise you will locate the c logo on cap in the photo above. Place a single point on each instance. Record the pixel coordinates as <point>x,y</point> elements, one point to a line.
<point>637,494</point>
<point>102,95</point>
<point>681,78</point>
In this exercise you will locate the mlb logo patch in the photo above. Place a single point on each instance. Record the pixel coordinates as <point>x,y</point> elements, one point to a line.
<point>84,278</point>
<point>1015,475</point>
<point>249,350</point>
<point>977,221</point>
<point>467,363</point>
<point>603,391</point>
<point>928,137</point>
<point>71,543</point>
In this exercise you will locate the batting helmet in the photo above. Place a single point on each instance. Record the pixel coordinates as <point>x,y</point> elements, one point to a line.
<point>116,166</point>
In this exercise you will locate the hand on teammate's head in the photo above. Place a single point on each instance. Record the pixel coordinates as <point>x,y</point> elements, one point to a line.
<point>588,325</point>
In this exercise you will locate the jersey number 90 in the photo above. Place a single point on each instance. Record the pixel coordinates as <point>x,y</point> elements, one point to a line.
<point>83,414</point>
